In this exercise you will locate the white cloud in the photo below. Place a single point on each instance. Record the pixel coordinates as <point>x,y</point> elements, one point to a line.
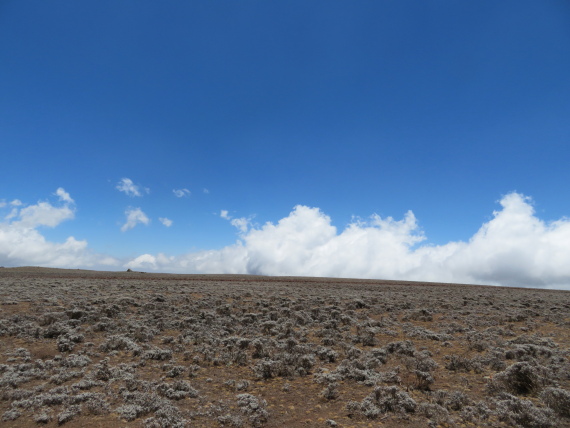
<point>165,221</point>
<point>127,186</point>
<point>43,213</point>
<point>144,261</point>
<point>63,195</point>
<point>514,248</point>
<point>242,224</point>
<point>13,213</point>
<point>206,191</point>
<point>180,193</point>
<point>22,244</point>
<point>16,203</point>
<point>134,217</point>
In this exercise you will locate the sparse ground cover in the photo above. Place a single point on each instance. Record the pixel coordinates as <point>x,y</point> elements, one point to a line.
<point>95,349</point>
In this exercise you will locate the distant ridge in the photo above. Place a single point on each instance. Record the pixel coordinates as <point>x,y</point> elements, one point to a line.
<point>39,271</point>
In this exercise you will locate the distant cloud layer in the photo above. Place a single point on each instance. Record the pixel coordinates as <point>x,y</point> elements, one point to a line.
<point>514,248</point>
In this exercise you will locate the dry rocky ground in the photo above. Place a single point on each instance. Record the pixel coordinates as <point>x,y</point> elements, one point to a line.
<point>105,349</point>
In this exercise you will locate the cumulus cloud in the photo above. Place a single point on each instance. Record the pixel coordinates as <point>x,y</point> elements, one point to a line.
<point>63,195</point>
<point>242,224</point>
<point>43,213</point>
<point>134,217</point>
<point>145,261</point>
<point>165,221</point>
<point>180,193</point>
<point>514,248</point>
<point>22,244</point>
<point>13,213</point>
<point>127,186</point>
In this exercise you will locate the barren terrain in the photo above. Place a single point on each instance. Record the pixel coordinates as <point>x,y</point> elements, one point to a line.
<point>105,349</point>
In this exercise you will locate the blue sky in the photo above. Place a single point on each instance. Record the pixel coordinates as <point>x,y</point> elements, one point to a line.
<point>358,110</point>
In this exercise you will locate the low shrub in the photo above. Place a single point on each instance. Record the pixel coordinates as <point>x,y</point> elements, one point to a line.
<point>521,379</point>
<point>523,413</point>
<point>11,415</point>
<point>382,400</point>
<point>557,399</point>
<point>254,408</point>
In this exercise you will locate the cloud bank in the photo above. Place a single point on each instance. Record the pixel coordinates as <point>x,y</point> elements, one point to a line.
<point>514,248</point>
